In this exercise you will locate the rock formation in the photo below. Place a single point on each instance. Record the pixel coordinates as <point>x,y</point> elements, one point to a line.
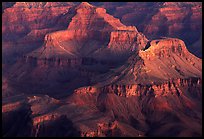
<point>18,28</point>
<point>159,61</point>
<point>170,19</point>
<point>24,27</point>
<point>95,77</point>
<point>91,33</point>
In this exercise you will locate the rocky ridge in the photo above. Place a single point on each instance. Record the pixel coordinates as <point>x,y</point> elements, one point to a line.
<point>89,34</point>
<point>156,92</point>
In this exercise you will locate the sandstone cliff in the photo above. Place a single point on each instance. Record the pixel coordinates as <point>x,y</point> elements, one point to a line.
<point>79,82</point>
<point>161,60</point>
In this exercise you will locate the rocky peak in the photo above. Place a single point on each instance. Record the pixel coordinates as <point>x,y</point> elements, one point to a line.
<point>165,47</point>
<point>160,61</point>
<point>92,18</point>
<point>85,8</point>
<point>95,18</point>
<point>92,28</point>
<point>85,5</point>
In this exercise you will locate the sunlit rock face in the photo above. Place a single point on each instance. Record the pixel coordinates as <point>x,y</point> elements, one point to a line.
<point>169,19</point>
<point>24,26</point>
<point>92,33</point>
<point>90,75</point>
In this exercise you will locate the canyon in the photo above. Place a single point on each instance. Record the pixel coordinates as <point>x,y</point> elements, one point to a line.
<point>73,70</point>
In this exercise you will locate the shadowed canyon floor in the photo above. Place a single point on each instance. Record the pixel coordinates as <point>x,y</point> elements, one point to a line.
<point>82,72</point>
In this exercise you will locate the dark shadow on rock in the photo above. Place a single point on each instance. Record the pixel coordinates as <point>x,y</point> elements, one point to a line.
<point>61,127</point>
<point>17,123</point>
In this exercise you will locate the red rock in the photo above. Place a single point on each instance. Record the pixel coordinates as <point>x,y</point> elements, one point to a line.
<point>96,26</point>
<point>159,88</point>
<point>170,19</point>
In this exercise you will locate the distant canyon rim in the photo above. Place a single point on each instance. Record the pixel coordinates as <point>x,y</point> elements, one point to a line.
<point>102,69</point>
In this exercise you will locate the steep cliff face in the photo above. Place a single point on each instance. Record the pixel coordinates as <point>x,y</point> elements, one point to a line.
<point>77,83</point>
<point>179,16</point>
<point>23,115</point>
<point>130,93</point>
<point>25,23</point>
<point>127,40</point>
<point>157,90</point>
<point>17,22</point>
<point>148,108</point>
<point>24,27</point>
<point>18,115</point>
<point>114,110</point>
<point>171,54</point>
<point>90,34</point>
<point>161,60</point>
<point>170,19</point>
<point>54,127</point>
<point>95,39</point>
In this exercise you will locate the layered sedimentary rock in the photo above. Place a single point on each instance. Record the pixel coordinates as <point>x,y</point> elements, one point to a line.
<point>24,27</point>
<point>181,17</point>
<point>24,20</point>
<point>114,110</point>
<point>19,28</point>
<point>41,4</point>
<point>174,83</point>
<point>156,92</point>
<point>93,34</point>
<point>161,60</point>
<point>170,19</point>
<point>121,40</point>
<point>87,47</point>
<point>160,89</point>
